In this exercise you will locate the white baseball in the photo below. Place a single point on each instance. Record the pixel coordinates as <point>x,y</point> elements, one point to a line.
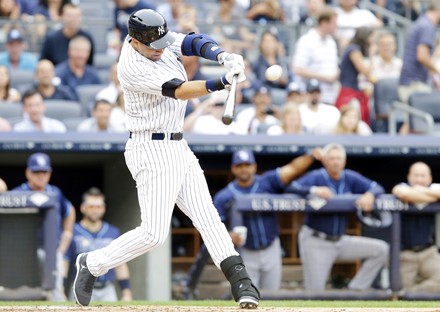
<point>274,72</point>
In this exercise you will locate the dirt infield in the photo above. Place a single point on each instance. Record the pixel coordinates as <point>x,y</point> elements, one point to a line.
<point>201,309</point>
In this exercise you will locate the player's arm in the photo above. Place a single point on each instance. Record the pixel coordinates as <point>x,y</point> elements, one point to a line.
<point>67,234</point>
<point>298,166</point>
<point>123,278</point>
<point>419,194</point>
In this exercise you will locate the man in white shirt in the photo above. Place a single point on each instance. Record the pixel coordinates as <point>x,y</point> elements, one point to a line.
<point>317,117</point>
<point>316,56</point>
<point>100,120</point>
<point>34,119</point>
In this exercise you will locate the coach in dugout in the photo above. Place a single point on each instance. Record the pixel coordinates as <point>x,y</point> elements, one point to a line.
<point>419,256</point>
<point>322,238</point>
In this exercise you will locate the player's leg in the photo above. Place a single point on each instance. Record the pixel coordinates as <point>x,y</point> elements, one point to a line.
<point>409,268</point>
<point>317,258</point>
<point>271,266</point>
<point>429,260</point>
<point>374,252</point>
<point>195,201</point>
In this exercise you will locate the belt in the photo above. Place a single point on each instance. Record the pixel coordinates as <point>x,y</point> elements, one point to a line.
<point>176,136</point>
<point>418,248</point>
<point>322,235</point>
<point>101,285</point>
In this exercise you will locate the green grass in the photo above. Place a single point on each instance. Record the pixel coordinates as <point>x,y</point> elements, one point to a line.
<point>268,303</point>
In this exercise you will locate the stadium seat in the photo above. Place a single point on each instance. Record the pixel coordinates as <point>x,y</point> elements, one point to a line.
<point>19,78</point>
<point>62,109</point>
<point>87,94</point>
<point>385,93</point>
<point>278,96</point>
<point>10,111</point>
<point>72,123</point>
<point>428,103</point>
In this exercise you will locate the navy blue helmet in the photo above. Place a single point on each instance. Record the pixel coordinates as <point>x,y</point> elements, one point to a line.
<point>150,28</point>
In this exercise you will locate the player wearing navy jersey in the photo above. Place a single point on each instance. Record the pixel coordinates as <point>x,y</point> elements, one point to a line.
<point>322,238</point>
<point>166,171</point>
<point>38,174</point>
<point>262,250</point>
<point>93,233</point>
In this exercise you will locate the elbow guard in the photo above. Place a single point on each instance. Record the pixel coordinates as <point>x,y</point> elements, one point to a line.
<point>201,45</point>
<point>169,87</point>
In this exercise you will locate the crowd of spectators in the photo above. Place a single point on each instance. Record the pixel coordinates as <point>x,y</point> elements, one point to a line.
<point>340,47</point>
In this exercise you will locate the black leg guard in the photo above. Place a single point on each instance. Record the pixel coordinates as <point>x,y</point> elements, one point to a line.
<point>243,290</point>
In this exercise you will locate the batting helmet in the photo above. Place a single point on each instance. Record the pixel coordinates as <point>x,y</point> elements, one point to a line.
<point>150,28</point>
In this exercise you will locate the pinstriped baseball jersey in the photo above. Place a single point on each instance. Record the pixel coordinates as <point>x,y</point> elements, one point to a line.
<point>142,79</point>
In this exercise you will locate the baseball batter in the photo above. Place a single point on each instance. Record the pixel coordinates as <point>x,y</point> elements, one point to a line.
<point>166,171</point>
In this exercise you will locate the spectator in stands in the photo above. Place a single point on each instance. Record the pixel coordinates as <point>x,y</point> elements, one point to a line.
<point>290,121</point>
<point>227,31</point>
<point>38,173</point>
<point>322,239</point>
<point>350,17</point>
<point>34,119</point>
<point>100,120</point>
<point>117,115</point>
<point>385,64</point>
<point>262,249</point>
<point>316,56</point>
<point>3,186</point>
<point>113,89</point>
<point>15,57</point>
<point>310,14</point>
<point>317,117</point>
<point>122,11</point>
<point>294,93</point>
<point>271,52</point>
<point>265,11</point>
<point>56,42</point>
<point>5,125</point>
<point>170,11</point>
<point>260,116</point>
<point>10,12</point>
<point>419,256</point>
<point>206,118</point>
<point>27,9</point>
<point>48,85</point>
<point>48,12</point>
<point>92,233</point>
<point>75,71</point>
<point>418,66</point>
<point>350,123</point>
<point>7,93</point>
<point>353,64</point>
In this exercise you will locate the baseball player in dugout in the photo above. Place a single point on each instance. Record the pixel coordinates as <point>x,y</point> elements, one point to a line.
<point>166,171</point>
<point>92,233</point>
<point>261,249</point>
<point>322,239</point>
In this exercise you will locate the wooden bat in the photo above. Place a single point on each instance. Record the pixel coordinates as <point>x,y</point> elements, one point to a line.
<point>228,114</point>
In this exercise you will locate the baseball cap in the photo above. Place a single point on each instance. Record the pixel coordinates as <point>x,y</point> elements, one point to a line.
<point>39,162</point>
<point>14,35</point>
<point>293,87</point>
<point>243,156</point>
<point>313,85</point>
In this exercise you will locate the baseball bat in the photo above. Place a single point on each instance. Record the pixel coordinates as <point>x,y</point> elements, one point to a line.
<point>228,113</point>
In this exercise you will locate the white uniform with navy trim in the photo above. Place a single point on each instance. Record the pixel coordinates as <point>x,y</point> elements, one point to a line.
<point>166,171</point>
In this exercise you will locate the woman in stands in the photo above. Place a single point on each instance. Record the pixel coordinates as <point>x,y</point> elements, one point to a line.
<point>7,94</point>
<point>290,121</point>
<point>353,64</point>
<point>350,123</point>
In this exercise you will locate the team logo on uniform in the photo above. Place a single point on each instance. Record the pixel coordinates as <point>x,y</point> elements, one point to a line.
<point>161,30</point>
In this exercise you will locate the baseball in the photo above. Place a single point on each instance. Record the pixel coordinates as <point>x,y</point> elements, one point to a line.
<point>274,72</point>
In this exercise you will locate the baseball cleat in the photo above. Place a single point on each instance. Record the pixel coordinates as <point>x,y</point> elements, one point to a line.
<point>247,302</point>
<point>83,283</point>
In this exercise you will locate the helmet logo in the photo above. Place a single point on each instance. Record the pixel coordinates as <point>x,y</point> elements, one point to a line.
<point>161,30</point>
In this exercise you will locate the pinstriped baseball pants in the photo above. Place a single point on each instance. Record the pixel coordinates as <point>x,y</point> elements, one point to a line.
<point>166,173</point>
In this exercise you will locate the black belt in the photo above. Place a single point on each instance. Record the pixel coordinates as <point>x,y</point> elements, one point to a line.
<point>418,248</point>
<point>332,238</point>
<point>176,136</point>
<point>101,285</point>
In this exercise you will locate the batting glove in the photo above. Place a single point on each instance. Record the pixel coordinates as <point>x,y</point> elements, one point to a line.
<point>231,60</point>
<point>227,79</point>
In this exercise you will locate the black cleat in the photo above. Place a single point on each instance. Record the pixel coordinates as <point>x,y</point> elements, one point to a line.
<point>83,283</point>
<point>248,295</point>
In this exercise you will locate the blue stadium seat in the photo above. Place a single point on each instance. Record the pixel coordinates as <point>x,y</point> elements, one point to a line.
<point>62,109</point>
<point>11,111</point>
<point>428,103</point>
<point>385,93</point>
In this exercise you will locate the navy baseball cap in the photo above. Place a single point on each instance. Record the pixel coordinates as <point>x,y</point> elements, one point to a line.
<point>39,162</point>
<point>14,35</point>
<point>313,85</point>
<point>243,156</point>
